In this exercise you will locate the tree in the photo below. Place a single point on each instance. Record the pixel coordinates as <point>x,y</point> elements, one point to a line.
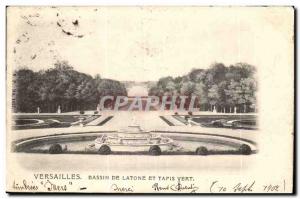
<point>26,94</point>
<point>164,81</point>
<point>171,88</point>
<point>215,74</point>
<point>70,95</point>
<point>108,87</point>
<point>195,74</point>
<point>240,70</point>
<point>248,87</point>
<point>242,93</point>
<point>156,91</point>
<point>220,86</point>
<point>60,86</point>
<point>187,88</point>
<point>201,93</point>
<point>213,96</point>
<point>62,65</point>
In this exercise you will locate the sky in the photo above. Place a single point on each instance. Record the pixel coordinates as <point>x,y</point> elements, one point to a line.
<point>140,43</point>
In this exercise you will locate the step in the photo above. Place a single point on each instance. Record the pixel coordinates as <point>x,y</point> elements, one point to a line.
<point>174,121</point>
<point>97,121</point>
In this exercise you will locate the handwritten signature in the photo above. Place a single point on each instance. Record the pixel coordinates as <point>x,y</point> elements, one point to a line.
<point>175,187</point>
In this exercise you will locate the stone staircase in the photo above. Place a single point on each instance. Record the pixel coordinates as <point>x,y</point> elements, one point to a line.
<point>102,119</point>
<point>173,121</point>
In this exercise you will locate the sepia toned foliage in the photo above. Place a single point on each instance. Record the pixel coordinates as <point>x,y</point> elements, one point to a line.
<point>225,89</point>
<point>60,86</point>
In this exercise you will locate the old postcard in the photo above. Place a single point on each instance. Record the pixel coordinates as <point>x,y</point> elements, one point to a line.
<point>154,99</point>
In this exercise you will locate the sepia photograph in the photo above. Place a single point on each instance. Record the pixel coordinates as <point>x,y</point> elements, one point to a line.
<point>150,99</point>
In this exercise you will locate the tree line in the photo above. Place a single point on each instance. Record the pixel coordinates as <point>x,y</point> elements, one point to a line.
<point>60,86</point>
<point>220,88</point>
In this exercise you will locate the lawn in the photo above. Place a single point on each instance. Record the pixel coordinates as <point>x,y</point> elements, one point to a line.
<point>49,121</point>
<point>209,118</point>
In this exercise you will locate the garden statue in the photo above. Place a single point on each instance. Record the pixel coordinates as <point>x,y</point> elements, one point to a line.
<point>81,122</point>
<point>189,120</point>
<point>58,109</point>
<point>214,109</point>
<point>98,108</point>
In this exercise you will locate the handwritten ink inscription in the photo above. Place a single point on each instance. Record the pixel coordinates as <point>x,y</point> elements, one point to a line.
<point>45,185</point>
<point>50,186</point>
<point>122,189</point>
<point>216,186</point>
<point>25,186</point>
<point>250,187</point>
<point>179,187</point>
